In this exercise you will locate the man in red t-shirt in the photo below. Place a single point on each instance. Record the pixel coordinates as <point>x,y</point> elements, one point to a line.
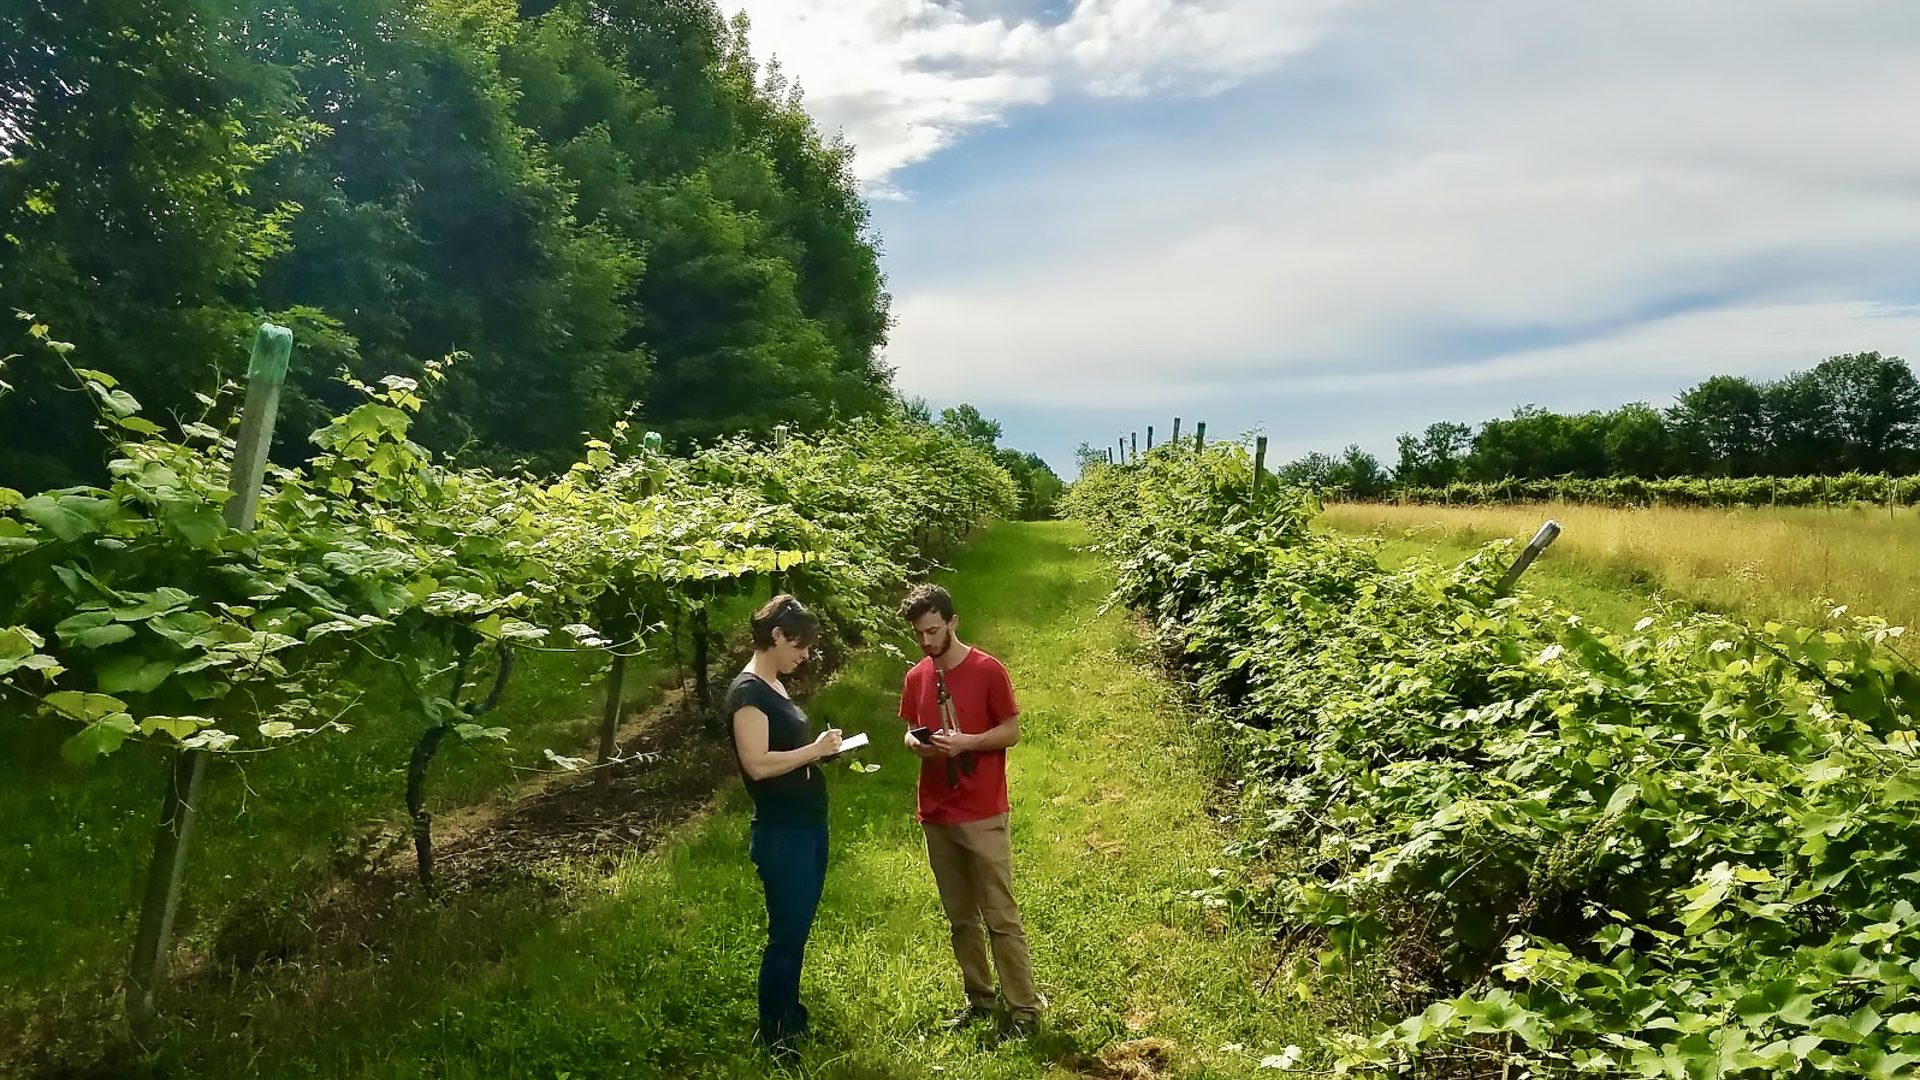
<point>958,704</point>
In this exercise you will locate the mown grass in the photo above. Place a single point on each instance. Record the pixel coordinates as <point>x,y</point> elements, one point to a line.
<point>1763,563</point>
<point>648,971</point>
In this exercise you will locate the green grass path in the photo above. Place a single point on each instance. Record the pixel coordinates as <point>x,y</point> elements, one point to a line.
<point>654,976</point>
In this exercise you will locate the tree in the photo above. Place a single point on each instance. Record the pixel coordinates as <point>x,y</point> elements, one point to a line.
<point>1086,456</point>
<point>132,216</point>
<point>1638,442</point>
<point>593,204</point>
<point>1313,470</point>
<point>1800,433</point>
<point>1359,474</point>
<point>1436,457</point>
<point>1874,404</point>
<point>1038,486</point>
<point>966,422</point>
<point>915,409</point>
<point>1722,425</point>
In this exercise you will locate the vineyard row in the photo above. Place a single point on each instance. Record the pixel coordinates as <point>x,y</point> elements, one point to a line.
<point>1516,845</point>
<point>134,612</point>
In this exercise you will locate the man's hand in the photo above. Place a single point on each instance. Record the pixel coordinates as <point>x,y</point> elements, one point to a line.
<point>923,751</point>
<point>952,744</point>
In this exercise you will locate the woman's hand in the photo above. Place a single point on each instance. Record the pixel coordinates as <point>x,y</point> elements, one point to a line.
<point>827,745</point>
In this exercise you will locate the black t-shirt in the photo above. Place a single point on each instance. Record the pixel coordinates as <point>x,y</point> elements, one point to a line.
<point>794,798</point>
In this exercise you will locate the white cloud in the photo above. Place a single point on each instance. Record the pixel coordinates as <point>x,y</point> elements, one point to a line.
<point>1499,200</point>
<point>1410,211</point>
<point>906,78</point>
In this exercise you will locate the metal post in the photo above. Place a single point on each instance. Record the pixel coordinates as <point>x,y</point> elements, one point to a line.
<point>1149,438</point>
<point>1259,468</point>
<point>1176,431</point>
<point>1541,540</point>
<point>266,373</point>
<point>1200,435</point>
<point>1136,446</point>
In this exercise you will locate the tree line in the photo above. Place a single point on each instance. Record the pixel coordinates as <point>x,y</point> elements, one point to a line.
<point>587,205</point>
<point>1037,488</point>
<point>1858,413</point>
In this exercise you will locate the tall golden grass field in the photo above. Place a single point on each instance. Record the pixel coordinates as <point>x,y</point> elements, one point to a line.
<point>1766,562</point>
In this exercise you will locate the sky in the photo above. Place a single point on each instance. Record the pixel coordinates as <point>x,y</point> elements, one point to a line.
<point>1333,221</point>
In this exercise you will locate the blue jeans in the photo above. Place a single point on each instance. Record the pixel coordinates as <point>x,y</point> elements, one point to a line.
<point>793,868</point>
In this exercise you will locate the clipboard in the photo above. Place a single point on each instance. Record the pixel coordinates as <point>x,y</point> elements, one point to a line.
<point>850,744</point>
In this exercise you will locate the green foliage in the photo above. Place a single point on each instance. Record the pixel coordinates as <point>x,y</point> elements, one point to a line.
<point>965,422</point>
<point>1354,474</point>
<point>1038,486</point>
<point>130,609</point>
<point>1685,850</point>
<point>595,204</point>
<point>1843,490</point>
<point>1851,414</point>
<point>1437,456</point>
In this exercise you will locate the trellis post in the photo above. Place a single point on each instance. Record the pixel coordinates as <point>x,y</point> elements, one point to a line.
<point>1259,468</point>
<point>180,806</point>
<point>1541,541</point>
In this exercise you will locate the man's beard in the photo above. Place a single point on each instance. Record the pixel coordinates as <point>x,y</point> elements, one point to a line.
<point>946,645</point>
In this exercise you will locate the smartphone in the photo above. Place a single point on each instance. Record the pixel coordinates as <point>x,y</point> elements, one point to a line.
<point>925,735</point>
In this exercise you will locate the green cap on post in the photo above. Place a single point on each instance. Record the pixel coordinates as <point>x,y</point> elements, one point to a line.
<point>651,441</point>
<point>272,348</point>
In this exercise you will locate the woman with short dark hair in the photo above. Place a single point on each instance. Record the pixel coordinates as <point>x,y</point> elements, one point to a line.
<point>779,756</point>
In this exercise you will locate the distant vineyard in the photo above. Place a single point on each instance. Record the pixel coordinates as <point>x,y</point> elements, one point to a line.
<point>1844,489</point>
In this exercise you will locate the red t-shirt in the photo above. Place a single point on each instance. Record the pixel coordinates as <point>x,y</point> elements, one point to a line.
<point>982,700</point>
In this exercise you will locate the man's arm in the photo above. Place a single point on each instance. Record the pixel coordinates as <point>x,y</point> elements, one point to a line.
<point>1006,729</point>
<point>923,751</point>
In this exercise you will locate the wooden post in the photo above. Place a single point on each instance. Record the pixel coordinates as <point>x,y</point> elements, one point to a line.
<point>1200,435</point>
<point>1541,540</point>
<point>1123,451</point>
<point>180,805</point>
<point>1176,431</point>
<point>1136,446</point>
<point>1149,438</point>
<point>1259,468</point>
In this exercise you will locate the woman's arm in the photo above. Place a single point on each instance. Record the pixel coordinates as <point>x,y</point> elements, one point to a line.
<point>750,738</point>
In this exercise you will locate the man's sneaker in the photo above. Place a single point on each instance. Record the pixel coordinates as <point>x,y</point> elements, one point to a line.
<point>968,1014</point>
<point>1022,1027</point>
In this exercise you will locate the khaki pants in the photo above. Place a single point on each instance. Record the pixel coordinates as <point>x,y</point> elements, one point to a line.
<point>973,868</point>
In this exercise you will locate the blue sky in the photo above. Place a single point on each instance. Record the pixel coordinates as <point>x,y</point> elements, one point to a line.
<point>1337,220</point>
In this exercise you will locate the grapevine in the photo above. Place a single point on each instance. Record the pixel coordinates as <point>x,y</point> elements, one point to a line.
<point>1684,851</point>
